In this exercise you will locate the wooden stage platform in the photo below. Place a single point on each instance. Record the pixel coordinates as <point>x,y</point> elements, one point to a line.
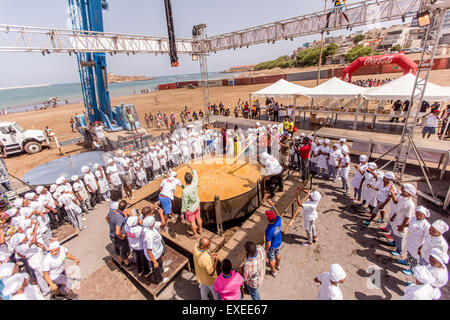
<point>374,140</point>
<point>178,262</point>
<point>65,233</point>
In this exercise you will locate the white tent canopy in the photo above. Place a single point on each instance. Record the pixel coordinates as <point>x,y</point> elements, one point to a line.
<point>401,88</point>
<point>335,88</point>
<point>280,89</point>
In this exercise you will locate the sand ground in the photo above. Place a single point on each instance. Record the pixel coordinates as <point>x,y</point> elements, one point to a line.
<point>168,101</point>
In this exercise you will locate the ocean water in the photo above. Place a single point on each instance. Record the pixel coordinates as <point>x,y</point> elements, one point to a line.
<point>21,99</point>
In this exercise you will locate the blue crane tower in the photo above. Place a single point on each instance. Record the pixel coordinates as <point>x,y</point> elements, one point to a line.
<point>87,15</point>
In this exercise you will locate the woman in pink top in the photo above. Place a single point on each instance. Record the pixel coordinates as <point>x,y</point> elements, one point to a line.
<point>228,284</point>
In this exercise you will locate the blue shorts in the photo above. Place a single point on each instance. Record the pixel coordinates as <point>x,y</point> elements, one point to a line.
<point>430,130</point>
<point>166,204</point>
<point>272,253</point>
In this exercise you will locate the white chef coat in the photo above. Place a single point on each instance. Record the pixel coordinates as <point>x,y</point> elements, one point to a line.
<point>55,265</point>
<point>89,180</point>
<point>421,292</point>
<point>345,170</point>
<point>33,254</point>
<point>333,157</point>
<point>155,160</point>
<point>357,178</point>
<point>405,208</point>
<point>102,182</point>
<point>327,290</point>
<point>80,189</point>
<point>322,159</point>
<point>431,121</point>
<point>440,276</point>
<point>147,160</point>
<point>47,199</point>
<point>68,200</point>
<point>310,212</point>
<point>272,166</point>
<point>430,243</point>
<point>383,192</point>
<point>114,175</point>
<point>416,235</point>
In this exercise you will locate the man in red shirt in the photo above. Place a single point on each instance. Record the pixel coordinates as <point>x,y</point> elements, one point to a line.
<point>304,152</point>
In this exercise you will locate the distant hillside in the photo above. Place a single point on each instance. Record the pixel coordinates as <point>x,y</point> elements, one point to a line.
<point>114,78</point>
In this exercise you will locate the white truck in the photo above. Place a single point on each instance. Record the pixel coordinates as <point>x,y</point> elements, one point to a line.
<point>16,139</point>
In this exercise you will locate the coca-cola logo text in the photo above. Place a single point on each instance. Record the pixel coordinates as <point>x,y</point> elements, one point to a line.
<point>380,60</point>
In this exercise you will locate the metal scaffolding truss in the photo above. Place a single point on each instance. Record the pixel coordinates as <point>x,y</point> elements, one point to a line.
<point>47,40</point>
<point>359,14</point>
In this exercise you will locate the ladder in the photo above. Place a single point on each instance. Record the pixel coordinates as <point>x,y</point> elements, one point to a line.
<point>199,36</point>
<point>430,40</point>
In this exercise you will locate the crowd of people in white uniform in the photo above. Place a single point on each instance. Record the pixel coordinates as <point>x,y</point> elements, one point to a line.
<point>27,239</point>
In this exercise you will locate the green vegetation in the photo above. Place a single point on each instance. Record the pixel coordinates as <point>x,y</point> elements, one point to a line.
<point>307,57</point>
<point>356,52</point>
<point>396,47</point>
<point>358,38</point>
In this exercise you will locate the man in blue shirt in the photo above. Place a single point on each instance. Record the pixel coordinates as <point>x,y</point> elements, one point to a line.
<point>117,219</point>
<point>273,238</point>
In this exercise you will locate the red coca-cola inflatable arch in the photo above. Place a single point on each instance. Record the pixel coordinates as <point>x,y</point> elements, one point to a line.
<point>399,59</point>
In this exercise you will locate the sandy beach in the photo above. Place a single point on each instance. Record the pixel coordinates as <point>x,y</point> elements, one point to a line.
<point>168,101</point>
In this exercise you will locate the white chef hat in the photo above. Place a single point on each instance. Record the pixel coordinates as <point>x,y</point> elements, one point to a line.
<point>149,221</point>
<point>29,195</point>
<point>173,174</point>
<point>337,273</point>
<point>372,165</point>
<point>422,274</point>
<point>85,169</point>
<point>39,189</point>
<point>132,221</point>
<point>96,166</point>
<point>6,270</point>
<point>439,255</point>
<point>74,178</point>
<point>54,245</point>
<point>18,202</point>
<point>166,141</point>
<point>146,149</point>
<point>327,141</point>
<point>53,188</point>
<point>316,196</point>
<point>342,140</point>
<point>110,161</point>
<point>424,210</point>
<point>389,175</point>
<point>13,283</point>
<point>336,145</point>
<point>408,187</point>
<point>311,138</point>
<point>258,123</point>
<point>362,158</point>
<point>16,239</point>
<point>303,134</point>
<point>320,141</point>
<point>344,150</point>
<point>440,226</point>
<point>60,180</point>
<point>11,212</point>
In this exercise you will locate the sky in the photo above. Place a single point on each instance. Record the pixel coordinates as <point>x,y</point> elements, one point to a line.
<point>148,17</point>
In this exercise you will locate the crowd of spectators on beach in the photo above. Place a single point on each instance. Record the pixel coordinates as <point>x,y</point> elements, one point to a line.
<point>371,82</point>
